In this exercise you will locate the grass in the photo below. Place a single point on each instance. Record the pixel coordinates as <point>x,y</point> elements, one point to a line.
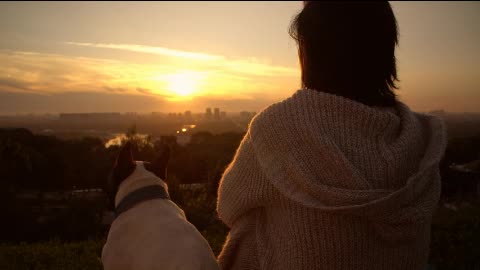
<point>454,246</point>
<point>59,255</point>
<point>52,255</point>
<point>454,243</point>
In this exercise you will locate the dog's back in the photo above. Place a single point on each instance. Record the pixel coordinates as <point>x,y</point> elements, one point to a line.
<point>153,234</point>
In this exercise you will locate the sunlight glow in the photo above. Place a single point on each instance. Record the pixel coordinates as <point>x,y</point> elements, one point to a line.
<point>184,83</point>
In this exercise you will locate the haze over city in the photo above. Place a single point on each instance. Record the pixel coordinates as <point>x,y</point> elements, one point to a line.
<point>177,56</point>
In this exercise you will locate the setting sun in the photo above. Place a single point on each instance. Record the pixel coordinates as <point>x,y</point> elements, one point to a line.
<point>184,83</point>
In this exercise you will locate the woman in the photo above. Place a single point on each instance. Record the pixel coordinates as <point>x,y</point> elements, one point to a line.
<point>341,175</point>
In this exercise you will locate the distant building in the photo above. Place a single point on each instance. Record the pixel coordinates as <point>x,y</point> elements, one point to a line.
<point>223,115</point>
<point>131,115</point>
<point>208,113</point>
<point>188,114</point>
<point>216,114</point>
<point>89,116</point>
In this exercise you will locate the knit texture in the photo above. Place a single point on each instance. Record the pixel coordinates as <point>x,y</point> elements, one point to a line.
<point>323,182</point>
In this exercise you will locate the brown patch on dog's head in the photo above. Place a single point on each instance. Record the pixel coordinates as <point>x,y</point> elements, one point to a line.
<point>123,167</point>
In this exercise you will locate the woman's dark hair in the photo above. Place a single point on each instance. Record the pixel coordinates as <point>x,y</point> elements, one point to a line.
<point>348,49</point>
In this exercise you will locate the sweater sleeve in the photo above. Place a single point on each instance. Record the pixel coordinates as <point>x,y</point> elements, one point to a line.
<point>243,186</point>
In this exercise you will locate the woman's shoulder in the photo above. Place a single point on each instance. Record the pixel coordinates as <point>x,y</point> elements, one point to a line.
<point>278,111</point>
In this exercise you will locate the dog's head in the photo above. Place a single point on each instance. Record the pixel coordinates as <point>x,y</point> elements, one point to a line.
<point>125,165</point>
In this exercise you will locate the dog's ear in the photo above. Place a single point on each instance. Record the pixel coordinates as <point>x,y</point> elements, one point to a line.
<point>124,166</point>
<point>159,165</point>
<point>125,158</point>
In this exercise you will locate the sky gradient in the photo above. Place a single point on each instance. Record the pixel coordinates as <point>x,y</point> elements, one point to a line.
<point>177,56</point>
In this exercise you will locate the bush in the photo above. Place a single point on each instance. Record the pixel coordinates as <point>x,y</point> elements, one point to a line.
<point>456,237</point>
<point>200,210</point>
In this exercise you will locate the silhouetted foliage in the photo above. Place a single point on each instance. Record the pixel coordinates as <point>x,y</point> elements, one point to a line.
<point>45,163</point>
<point>39,174</point>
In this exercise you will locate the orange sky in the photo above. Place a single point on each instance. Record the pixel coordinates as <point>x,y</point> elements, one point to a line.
<point>176,56</point>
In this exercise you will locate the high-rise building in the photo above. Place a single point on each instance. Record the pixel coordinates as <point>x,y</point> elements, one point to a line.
<point>223,115</point>
<point>208,113</point>
<point>217,114</point>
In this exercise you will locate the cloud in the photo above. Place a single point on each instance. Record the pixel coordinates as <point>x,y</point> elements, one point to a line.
<point>144,91</point>
<point>14,83</point>
<point>231,84</point>
<point>115,89</point>
<point>249,66</point>
<point>52,73</point>
<point>12,102</point>
<point>151,49</point>
<point>78,101</point>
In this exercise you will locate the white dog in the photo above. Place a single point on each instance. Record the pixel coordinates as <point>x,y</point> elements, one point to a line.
<point>150,231</point>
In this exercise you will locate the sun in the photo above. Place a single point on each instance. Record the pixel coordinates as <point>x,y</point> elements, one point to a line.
<point>183,83</point>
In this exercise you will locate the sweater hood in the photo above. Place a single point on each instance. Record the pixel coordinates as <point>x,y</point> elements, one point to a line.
<point>335,154</point>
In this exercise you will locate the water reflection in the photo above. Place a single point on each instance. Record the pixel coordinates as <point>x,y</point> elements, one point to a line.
<point>183,136</point>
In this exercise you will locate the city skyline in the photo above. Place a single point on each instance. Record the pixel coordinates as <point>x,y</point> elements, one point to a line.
<point>126,113</point>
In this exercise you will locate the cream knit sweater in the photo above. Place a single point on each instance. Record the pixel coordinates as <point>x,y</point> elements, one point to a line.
<point>323,182</point>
